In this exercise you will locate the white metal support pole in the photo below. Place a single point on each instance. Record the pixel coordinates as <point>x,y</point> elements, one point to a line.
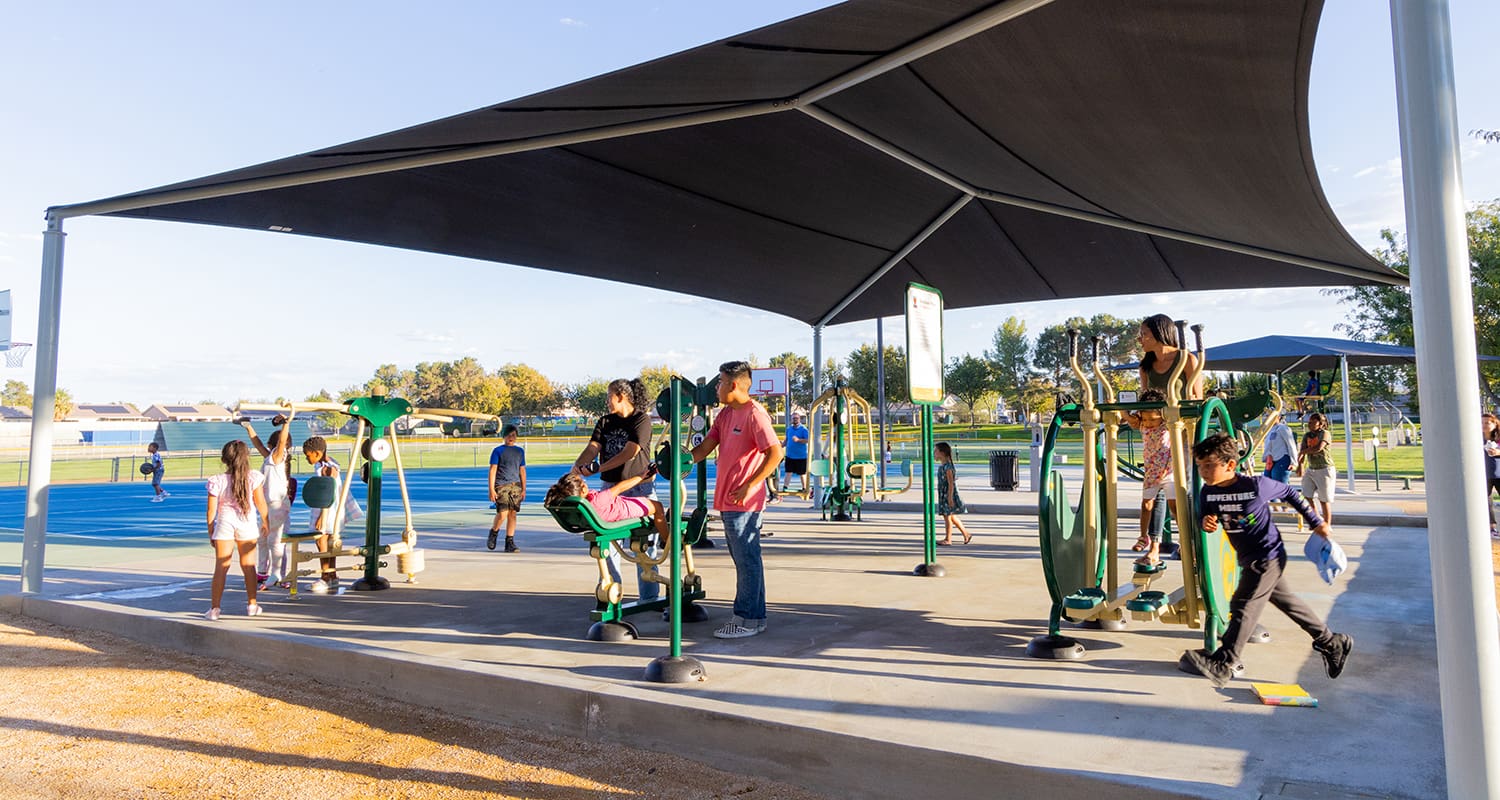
<point>43,403</point>
<point>1348,422</point>
<point>1442,315</point>
<point>817,421</point>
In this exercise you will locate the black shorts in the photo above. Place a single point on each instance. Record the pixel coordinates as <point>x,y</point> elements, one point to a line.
<point>796,466</point>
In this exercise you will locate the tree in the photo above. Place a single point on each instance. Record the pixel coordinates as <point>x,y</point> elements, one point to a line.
<point>16,394</point>
<point>655,378</point>
<point>329,419</point>
<point>969,379</point>
<point>1036,395</point>
<point>397,382</point>
<point>1050,353</point>
<point>63,405</point>
<point>799,377</point>
<point>862,374</point>
<point>531,393</point>
<point>1010,357</point>
<point>591,396</point>
<point>1383,313</point>
<point>832,371</point>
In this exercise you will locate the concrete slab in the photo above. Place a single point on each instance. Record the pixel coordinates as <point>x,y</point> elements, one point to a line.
<point>869,682</point>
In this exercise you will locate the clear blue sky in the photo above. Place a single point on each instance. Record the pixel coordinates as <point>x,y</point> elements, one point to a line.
<point>104,97</point>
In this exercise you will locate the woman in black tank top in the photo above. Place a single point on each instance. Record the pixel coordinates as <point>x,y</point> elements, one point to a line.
<point>1158,338</point>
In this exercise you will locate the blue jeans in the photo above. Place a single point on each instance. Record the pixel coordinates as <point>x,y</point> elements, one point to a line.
<point>1280,468</point>
<point>742,532</point>
<point>649,590</point>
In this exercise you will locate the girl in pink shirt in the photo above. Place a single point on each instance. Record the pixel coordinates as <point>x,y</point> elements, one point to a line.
<point>608,503</point>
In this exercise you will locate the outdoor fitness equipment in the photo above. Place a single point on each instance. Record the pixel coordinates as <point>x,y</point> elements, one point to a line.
<point>844,409</point>
<point>375,442</point>
<point>632,538</point>
<point>1079,546</point>
<point>881,494</point>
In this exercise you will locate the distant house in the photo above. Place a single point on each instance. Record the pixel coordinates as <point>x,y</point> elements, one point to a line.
<point>9,414</point>
<point>106,412</point>
<point>206,412</point>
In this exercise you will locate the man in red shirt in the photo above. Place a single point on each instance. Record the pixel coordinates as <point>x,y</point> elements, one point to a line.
<point>749,452</point>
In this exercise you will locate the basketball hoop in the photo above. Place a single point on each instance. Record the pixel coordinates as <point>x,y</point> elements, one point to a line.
<point>16,355</point>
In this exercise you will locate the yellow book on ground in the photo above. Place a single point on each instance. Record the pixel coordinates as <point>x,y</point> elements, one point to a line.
<point>1284,694</point>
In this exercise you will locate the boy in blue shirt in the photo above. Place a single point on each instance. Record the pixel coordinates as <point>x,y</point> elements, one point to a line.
<point>1242,504</point>
<point>507,488</point>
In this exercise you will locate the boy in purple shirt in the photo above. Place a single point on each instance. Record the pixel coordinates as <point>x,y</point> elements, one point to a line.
<point>1242,504</point>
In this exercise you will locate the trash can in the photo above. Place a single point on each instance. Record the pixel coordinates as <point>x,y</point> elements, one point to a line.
<point>1004,475</point>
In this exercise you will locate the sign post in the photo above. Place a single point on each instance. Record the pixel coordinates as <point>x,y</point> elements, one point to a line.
<point>924,384</point>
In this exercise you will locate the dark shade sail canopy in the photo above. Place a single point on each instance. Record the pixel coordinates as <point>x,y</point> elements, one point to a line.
<point>1001,151</point>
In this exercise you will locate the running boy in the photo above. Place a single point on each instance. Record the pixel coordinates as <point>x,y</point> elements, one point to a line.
<point>157,470</point>
<point>507,488</point>
<point>1242,504</point>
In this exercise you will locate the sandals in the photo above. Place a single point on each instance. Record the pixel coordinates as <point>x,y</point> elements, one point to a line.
<point>944,544</point>
<point>1142,544</point>
<point>1145,561</point>
<point>968,537</point>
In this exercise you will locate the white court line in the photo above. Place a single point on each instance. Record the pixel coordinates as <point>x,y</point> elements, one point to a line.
<point>138,593</point>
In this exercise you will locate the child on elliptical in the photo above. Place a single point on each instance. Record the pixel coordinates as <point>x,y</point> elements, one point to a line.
<point>1242,505</point>
<point>1156,469</point>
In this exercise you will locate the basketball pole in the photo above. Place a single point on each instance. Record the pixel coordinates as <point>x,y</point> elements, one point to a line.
<point>43,405</point>
<point>1442,318</point>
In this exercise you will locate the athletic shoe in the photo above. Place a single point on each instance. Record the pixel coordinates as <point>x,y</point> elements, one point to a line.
<point>737,628</point>
<point>252,610</point>
<point>1217,672</point>
<point>319,586</point>
<point>494,537</point>
<point>510,546</point>
<point>212,615</point>
<point>165,495</point>
<point>1336,654</point>
<point>158,499</point>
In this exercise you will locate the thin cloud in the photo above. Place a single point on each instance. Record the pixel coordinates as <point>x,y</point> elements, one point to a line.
<point>572,23</point>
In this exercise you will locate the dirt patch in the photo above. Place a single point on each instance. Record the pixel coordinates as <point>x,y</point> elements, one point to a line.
<point>90,715</point>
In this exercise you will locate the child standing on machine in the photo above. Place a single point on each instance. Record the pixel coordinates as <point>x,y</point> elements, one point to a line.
<point>949,504</point>
<point>1156,452</point>
<point>271,556</point>
<point>507,488</point>
<point>1242,505</point>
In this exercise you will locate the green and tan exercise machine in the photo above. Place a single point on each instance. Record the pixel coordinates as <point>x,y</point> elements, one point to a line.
<point>375,442</point>
<point>633,538</point>
<point>850,428</point>
<point>1079,544</point>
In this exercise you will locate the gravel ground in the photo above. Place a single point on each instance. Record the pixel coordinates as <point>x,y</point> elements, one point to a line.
<point>90,715</point>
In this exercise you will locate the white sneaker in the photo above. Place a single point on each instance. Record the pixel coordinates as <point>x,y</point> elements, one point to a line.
<point>212,615</point>
<point>165,495</point>
<point>319,586</point>
<point>252,610</point>
<point>157,499</point>
<point>737,628</point>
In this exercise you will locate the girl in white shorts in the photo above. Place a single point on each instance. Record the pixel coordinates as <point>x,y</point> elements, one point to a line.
<point>236,519</point>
